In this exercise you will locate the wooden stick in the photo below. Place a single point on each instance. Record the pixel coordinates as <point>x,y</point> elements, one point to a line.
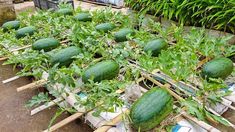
<point>47,105</point>
<point>64,41</point>
<point>21,48</point>
<point>111,123</point>
<point>159,84</point>
<point>65,121</point>
<point>3,58</point>
<point>10,79</point>
<point>32,85</point>
<point>202,62</point>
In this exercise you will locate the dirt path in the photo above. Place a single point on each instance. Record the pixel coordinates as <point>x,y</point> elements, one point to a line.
<point>15,117</point>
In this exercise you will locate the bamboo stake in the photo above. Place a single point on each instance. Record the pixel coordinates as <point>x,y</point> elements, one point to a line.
<point>10,79</point>
<point>21,48</point>
<point>32,85</point>
<point>45,106</point>
<point>112,123</point>
<point>65,121</point>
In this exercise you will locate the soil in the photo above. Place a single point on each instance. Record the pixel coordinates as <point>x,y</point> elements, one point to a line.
<point>15,117</point>
<point>230,115</point>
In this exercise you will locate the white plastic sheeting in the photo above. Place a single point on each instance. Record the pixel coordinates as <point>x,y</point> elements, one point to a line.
<point>113,2</point>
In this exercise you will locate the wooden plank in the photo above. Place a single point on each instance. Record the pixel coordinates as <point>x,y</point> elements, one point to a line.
<point>64,122</point>
<point>32,85</point>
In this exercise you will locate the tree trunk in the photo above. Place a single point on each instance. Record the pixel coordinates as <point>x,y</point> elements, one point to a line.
<point>7,11</point>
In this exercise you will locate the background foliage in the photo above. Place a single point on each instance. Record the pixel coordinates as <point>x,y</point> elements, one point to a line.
<point>215,14</point>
